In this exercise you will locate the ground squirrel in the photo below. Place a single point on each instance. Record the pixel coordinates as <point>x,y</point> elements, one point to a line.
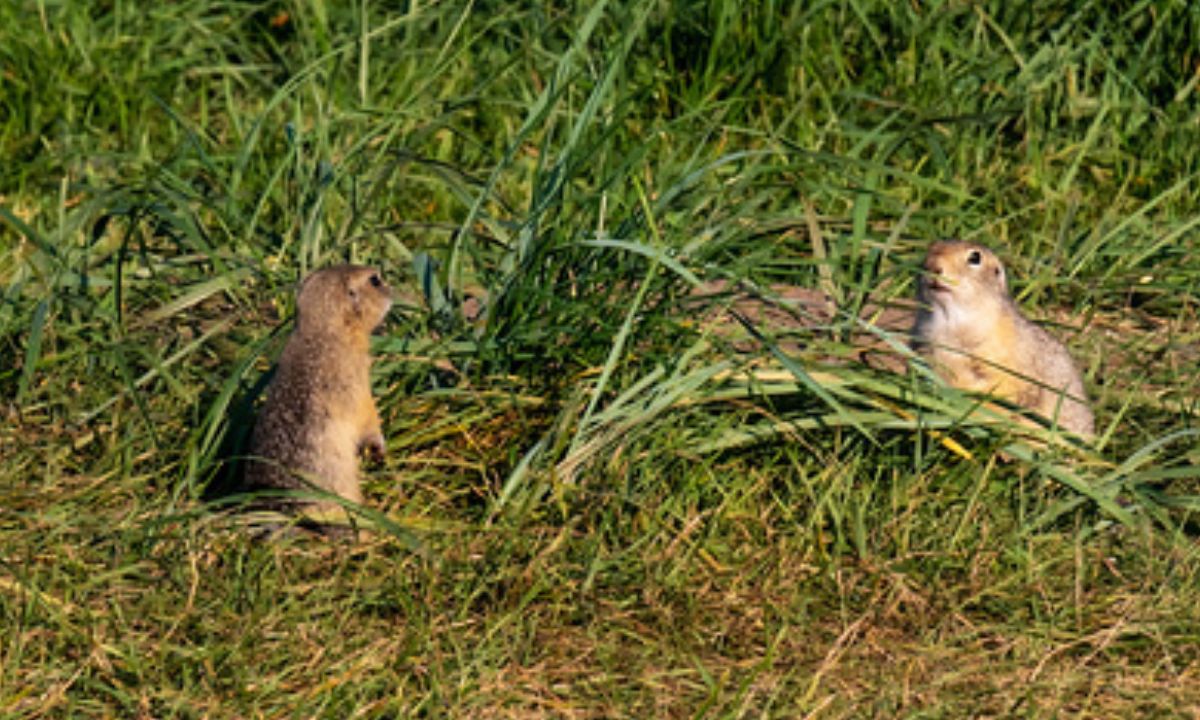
<point>975,337</point>
<point>319,413</point>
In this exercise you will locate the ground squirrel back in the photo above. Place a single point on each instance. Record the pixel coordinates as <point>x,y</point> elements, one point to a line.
<point>319,413</point>
<point>976,338</point>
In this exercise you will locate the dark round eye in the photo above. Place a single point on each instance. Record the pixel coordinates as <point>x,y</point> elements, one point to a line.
<point>375,281</point>
<point>974,258</point>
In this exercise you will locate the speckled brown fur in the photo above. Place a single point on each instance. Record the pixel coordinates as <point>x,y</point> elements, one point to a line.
<point>319,413</point>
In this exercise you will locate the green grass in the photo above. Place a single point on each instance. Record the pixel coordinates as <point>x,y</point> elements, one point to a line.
<point>624,502</point>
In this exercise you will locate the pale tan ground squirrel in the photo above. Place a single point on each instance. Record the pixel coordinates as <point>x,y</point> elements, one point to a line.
<point>975,337</point>
<point>319,413</point>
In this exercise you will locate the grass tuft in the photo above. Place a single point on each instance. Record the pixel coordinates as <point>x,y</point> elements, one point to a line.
<point>657,445</point>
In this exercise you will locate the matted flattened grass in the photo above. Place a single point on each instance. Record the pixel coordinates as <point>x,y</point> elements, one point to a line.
<point>657,447</point>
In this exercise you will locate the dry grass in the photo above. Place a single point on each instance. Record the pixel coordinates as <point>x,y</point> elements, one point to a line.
<point>653,447</point>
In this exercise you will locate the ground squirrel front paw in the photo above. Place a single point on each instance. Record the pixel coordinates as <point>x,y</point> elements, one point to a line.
<point>374,447</point>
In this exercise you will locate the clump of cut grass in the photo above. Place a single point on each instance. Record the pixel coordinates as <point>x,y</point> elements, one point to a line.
<point>639,463</point>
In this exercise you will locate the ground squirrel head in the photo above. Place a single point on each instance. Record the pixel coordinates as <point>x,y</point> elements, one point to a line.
<point>344,300</point>
<point>958,274</point>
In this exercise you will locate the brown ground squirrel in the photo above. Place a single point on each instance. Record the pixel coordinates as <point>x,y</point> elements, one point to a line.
<point>975,337</point>
<point>319,413</point>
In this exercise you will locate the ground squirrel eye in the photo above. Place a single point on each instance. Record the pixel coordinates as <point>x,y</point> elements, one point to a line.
<point>375,281</point>
<point>975,258</point>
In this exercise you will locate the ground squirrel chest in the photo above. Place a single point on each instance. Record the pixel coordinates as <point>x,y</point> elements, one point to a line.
<point>319,413</point>
<point>976,338</point>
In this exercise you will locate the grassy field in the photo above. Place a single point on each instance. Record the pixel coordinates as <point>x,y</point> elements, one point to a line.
<point>606,495</point>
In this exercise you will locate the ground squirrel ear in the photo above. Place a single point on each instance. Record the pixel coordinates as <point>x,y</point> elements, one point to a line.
<point>352,291</point>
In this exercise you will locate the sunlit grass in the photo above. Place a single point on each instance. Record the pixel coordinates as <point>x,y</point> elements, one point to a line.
<point>631,472</point>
